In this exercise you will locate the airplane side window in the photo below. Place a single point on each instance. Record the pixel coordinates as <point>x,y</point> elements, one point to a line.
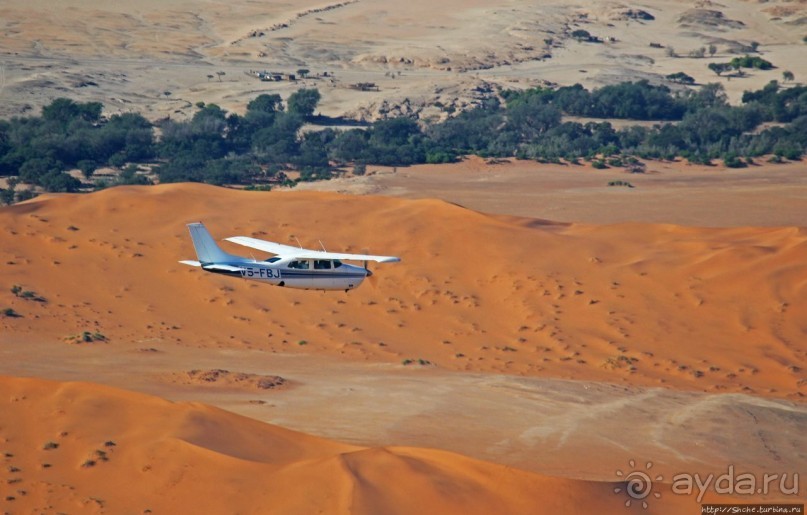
<point>298,264</point>
<point>273,259</point>
<point>337,263</point>
<point>322,264</point>
<point>304,265</point>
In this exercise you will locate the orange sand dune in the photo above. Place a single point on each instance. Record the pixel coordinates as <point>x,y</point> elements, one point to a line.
<point>692,308</point>
<point>80,447</point>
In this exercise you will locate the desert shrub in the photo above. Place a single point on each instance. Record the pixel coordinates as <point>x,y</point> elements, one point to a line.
<point>680,78</point>
<point>732,161</point>
<point>581,35</point>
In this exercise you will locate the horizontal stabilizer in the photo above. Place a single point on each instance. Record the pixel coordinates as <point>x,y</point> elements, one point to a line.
<point>191,263</point>
<point>221,268</point>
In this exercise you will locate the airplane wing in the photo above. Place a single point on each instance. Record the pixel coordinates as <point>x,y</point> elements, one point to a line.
<point>266,246</point>
<point>296,252</point>
<point>318,254</point>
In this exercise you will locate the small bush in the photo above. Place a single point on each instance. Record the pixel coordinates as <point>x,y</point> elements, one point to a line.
<point>10,313</point>
<point>599,164</point>
<point>620,183</point>
<point>87,337</point>
<point>50,445</point>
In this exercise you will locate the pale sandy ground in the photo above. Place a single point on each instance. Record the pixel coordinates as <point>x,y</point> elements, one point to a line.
<point>576,429</point>
<point>772,195</point>
<point>586,322</point>
<point>155,57</point>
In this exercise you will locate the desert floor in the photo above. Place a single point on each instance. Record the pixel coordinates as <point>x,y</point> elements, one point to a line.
<point>763,195</point>
<point>561,349</point>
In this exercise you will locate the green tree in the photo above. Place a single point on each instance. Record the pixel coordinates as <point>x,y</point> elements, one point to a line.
<point>7,196</point>
<point>64,110</point>
<point>265,104</point>
<point>87,167</point>
<point>719,68</point>
<point>303,102</point>
<point>33,170</point>
<point>787,76</point>
<point>60,182</point>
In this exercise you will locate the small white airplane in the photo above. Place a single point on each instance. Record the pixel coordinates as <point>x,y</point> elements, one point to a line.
<point>292,267</point>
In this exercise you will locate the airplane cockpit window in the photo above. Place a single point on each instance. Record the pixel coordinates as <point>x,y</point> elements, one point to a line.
<point>337,263</point>
<point>322,264</point>
<point>273,259</point>
<point>300,265</point>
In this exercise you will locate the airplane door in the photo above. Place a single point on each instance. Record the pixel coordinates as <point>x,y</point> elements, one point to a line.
<point>299,273</point>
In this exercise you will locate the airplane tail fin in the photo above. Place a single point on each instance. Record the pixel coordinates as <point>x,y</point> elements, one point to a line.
<point>207,251</point>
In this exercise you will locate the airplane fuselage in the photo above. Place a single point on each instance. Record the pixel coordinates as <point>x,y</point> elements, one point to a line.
<point>307,274</point>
